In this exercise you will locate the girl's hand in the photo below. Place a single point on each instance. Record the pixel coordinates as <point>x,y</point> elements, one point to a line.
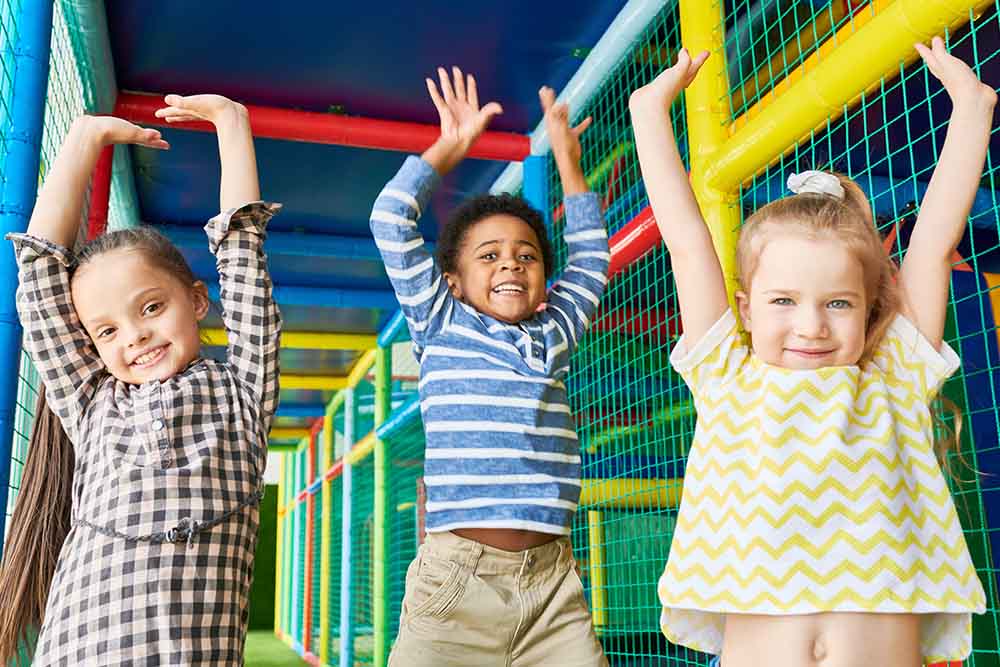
<point>962,84</point>
<point>110,130</point>
<point>565,140</point>
<point>462,121</point>
<point>660,93</point>
<point>215,109</point>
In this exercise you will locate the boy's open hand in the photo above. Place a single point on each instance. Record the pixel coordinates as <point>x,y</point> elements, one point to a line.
<point>212,108</point>
<point>660,93</point>
<point>462,121</point>
<point>958,79</point>
<point>565,140</point>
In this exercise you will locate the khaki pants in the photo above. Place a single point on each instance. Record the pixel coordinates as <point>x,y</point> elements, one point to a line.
<point>470,605</point>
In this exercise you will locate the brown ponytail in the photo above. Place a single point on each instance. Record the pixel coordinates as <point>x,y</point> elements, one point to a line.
<point>37,531</point>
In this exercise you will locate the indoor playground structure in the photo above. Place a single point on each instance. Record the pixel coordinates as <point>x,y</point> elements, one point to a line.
<point>336,99</point>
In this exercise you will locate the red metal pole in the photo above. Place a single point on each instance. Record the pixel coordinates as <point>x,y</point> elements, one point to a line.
<point>634,240</point>
<point>322,128</point>
<point>100,194</point>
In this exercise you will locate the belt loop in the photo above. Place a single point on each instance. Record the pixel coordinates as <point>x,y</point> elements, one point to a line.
<point>473,556</point>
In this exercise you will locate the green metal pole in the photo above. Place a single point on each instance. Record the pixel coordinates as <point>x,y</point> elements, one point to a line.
<point>383,501</point>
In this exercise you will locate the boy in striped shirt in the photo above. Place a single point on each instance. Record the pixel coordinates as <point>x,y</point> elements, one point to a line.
<point>495,582</point>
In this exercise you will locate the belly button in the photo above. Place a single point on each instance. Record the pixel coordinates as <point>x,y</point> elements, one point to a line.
<point>819,650</point>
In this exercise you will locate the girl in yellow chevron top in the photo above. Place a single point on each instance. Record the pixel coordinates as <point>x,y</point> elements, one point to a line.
<point>816,527</point>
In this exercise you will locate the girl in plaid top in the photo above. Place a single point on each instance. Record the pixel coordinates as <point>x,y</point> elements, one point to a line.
<point>169,446</point>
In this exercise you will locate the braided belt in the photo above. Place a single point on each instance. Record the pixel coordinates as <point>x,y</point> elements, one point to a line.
<point>185,530</point>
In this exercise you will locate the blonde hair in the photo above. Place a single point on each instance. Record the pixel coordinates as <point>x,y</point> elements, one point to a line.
<point>849,220</point>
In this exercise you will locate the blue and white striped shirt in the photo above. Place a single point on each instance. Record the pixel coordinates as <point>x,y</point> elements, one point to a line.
<point>502,450</point>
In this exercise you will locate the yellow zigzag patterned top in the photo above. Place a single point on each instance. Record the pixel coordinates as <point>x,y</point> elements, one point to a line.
<point>817,490</point>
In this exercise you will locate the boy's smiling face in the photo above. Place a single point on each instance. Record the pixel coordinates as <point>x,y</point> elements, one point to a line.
<point>499,269</point>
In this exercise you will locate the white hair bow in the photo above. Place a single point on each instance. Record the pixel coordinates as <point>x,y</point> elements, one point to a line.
<point>819,182</point>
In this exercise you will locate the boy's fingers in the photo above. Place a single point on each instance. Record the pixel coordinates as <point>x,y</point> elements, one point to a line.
<point>446,90</point>
<point>174,100</point>
<point>472,90</point>
<point>491,109</point>
<point>583,125</point>
<point>459,82</point>
<point>435,97</point>
<point>547,97</point>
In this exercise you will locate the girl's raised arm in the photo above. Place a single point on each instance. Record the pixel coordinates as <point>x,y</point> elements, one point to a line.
<point>236,237</point>
<point>926,270</point>
<point>701,289</point>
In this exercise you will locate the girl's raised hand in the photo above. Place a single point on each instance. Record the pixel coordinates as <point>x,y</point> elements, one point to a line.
<point>462,120</point>
<point>211,108</point>
<point>660,93</point>
<point>958,79</point>
<point>565,140</point>
<point>111,130</point>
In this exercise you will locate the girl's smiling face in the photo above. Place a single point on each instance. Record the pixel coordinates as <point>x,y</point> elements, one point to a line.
<point>142,319</point>
<point>806,307</point>
<point>499,270</point>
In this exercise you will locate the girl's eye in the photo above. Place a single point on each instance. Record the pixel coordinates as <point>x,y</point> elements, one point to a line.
<point>528,258</point>
<point>105,332</point>
<point>490,256</point>
<point>151,308</point>
<point>782,301</point>
<point>839,304</point>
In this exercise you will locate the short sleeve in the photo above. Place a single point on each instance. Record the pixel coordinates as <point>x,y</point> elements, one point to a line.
<point>716,358</point>
<point>907,355</point>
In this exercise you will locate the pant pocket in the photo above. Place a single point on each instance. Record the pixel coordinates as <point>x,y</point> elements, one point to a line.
<point>435,588</point>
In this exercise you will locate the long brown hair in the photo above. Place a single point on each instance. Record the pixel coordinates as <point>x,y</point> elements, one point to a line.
<point>36,533</point>
<point>41,517</point>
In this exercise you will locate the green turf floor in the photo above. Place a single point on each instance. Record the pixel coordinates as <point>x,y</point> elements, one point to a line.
<point>265,650</point>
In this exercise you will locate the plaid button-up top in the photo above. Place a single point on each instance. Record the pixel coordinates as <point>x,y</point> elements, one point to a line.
<point>157,566</point>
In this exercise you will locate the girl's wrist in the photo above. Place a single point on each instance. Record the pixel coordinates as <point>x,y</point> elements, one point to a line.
<point>89,131</point>
<point>976,101</point>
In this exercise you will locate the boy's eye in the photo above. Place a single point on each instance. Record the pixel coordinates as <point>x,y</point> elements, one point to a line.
<point>527,257</point>
<point>152,308</point>
<point>839,304</point>
<point>105,332</point>
<point>489,256</point>
<point>782,301</point>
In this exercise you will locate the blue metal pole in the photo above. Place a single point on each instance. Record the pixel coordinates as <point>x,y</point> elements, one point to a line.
<point>536,185</point>
<point>21,135</point>
<point>346,625</point>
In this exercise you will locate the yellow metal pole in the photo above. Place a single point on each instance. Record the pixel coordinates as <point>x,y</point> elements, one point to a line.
<point>316,382</point>
<point>595,567</point>
<point>326,442</point>
<point>306,340</point>
<point>279,548</point>
<point>707,111</point>
<point>361,368</point>
<point>871,52</point>
<point>361,449</point>
<point>633,494</point>
<point>289,433</point>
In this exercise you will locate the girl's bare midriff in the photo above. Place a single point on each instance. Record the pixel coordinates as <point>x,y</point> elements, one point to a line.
<point>507,539</point>
<point>832,639</point>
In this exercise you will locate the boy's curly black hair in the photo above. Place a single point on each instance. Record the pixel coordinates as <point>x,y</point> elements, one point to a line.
<point>482,206</point>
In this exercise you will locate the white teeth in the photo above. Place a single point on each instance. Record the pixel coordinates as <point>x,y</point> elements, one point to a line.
<point>146,358</point>
<point>508,288</point>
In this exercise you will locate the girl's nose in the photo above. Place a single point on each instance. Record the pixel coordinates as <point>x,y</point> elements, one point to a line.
<point>810,324</point>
